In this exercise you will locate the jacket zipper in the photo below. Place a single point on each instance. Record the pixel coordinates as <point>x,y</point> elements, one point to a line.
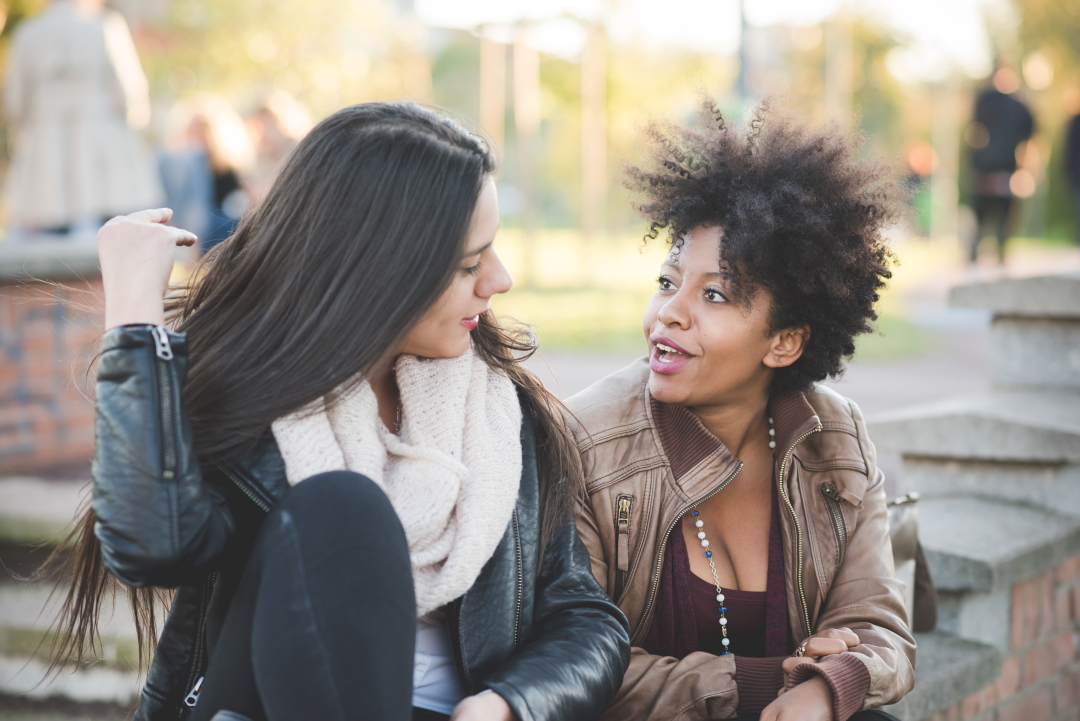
<point>245,490</point>
<point>520,579</point>
<point>622,542</point>
<point>198,662</point>
<point>832,501</point>
<point>164,354</point>
<point>798,528</point>
<point>663,545</point>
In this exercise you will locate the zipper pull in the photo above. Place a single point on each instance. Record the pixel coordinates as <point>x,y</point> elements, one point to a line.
<point>830,490</point>
<point>193,697</point>
<point>622,520</point>
<point>161,343</point>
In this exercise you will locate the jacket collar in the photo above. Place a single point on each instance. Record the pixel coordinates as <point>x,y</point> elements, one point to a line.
<point>686,441</point>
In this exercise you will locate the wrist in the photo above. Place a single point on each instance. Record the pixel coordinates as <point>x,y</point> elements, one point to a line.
<point>141,311</point>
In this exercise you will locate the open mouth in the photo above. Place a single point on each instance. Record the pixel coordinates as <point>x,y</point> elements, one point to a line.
<point>667,354</point>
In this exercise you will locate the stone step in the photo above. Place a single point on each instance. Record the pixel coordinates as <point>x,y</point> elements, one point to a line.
<point>983,544</point>
<point>948,668</point>
<point>33,510</point>
<point>1036,297</point>
<point>1010,427</point>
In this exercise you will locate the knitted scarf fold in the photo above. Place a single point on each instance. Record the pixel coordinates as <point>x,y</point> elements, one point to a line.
<point>452,475</point>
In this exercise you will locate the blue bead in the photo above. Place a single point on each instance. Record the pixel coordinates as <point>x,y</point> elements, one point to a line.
<point>725,653</point>
<point>722,609</point>
<point>693,513</point>
<point>708,554</point>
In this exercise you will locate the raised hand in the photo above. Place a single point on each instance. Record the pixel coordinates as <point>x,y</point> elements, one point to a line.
<point>136,254</point>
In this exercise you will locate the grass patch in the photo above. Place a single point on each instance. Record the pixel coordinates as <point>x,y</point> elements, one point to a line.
<point>120,653</point>
<point>894,337</point>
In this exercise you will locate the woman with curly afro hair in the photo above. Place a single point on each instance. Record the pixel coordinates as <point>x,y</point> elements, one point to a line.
<point>733,507</point>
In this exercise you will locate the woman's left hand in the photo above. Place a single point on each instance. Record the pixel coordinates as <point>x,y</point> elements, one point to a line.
<point>483,707</point>
<point>811,700</point>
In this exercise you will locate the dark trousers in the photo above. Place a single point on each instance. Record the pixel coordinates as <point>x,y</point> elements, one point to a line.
<point>997,211</point>
<point>323,623</point>
<point>873,715</point>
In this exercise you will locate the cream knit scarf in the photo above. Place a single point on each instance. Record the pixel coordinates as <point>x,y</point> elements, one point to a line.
<point>452,475</point>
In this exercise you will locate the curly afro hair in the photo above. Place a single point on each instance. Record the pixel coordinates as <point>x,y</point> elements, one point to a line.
<point>801,216</point>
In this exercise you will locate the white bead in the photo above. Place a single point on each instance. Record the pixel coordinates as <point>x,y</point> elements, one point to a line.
<point>770,420</point>
<point>772,444</point>
<point>772,431</point>
<point>701,534</point>
<point>720,597</point>
<point>699,524</point>
<point>704,543</point>
<point>726,642</point>
<point>723,621</point>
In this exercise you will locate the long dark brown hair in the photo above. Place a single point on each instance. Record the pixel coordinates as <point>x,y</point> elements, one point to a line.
<point>360,234</point>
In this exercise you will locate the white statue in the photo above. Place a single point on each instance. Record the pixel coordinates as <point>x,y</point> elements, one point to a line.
<point>77,96</point>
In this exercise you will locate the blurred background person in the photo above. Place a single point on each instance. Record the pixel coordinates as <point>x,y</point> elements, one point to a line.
<point>1002,123</point>
<point>76,95</point>
<point>207,151</point>
<point>276,126</point>
<point>1072,158</point>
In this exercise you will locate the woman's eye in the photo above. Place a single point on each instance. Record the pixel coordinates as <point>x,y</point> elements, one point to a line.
<point>472,270</point>
<point>714,296</point>
<point>665,283</point>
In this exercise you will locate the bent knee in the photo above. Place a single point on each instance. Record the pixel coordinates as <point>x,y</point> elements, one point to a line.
<point>339,496</point>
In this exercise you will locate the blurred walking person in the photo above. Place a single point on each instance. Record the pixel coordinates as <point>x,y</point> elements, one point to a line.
<point>207,151</point>
<point>1002,123</point>
<point>1072,164</point>
<point>77,96</point>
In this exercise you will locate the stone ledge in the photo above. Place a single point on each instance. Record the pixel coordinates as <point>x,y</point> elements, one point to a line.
<point>33,510</point>
<point>947,670</point>
<point>1013,427</point>
<point>48,260</point>
<point>984,544</point>
<point>1041,296</point>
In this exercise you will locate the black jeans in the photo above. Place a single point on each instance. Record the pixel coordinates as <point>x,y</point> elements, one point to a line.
<point>323,623</point>
<point>872,715</point>
<point>989,208</point>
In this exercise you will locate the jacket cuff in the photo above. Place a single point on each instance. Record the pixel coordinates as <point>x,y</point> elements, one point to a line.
<point>758,680</point>
<point>848,679</point>
<point>139,336</point>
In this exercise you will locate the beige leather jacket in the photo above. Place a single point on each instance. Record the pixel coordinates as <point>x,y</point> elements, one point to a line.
<point>835,530</point>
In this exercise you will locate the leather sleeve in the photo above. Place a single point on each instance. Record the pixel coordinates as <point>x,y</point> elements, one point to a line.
<point>573,663</point>
<point>866,597</point>
<point>158,523</point>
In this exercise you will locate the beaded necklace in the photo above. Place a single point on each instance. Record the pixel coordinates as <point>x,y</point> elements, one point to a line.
<point>700,524</point>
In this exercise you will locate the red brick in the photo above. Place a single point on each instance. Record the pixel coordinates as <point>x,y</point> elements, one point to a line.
<point>950,714</point>
<point>1008,682</point>
<point>1068,690</point>
<point>1068,569</point>
<point>1048,658</point>
<point>1035,707</point>
<point>1032,608</point>
<point>979,702</point>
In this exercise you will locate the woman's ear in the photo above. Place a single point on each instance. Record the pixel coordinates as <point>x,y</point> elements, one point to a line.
<point>787,346</point>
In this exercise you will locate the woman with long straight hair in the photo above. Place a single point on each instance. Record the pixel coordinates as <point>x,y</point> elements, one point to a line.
<point>362,499</point>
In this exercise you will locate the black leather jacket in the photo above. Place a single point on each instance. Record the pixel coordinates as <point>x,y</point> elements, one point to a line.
<point>546,639</point>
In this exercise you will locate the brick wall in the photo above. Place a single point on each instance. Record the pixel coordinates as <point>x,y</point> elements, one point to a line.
<point>1040,677</point>
<point>49,335</point>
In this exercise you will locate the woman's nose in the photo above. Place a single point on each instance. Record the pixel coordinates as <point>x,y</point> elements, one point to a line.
<point>496,279</point>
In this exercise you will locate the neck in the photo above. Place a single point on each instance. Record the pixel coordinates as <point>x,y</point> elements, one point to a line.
<point>738,424</point>
<point>384,384</point>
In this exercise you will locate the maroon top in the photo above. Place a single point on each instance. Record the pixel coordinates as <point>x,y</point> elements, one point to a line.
<point>687,620</point>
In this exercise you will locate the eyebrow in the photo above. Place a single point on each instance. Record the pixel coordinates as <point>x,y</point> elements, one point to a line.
<point>478,251</point>
<point>675,264</point>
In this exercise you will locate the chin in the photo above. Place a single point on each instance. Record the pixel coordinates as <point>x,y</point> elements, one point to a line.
<point>669,389</point>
